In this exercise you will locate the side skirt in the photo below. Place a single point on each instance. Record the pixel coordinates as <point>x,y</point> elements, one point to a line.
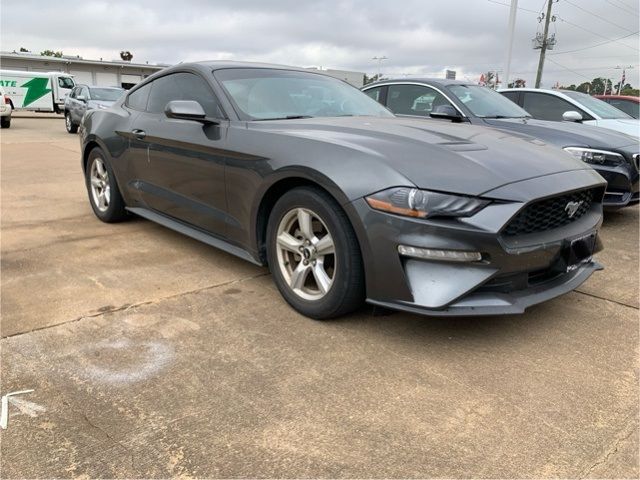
<point>195,233</point>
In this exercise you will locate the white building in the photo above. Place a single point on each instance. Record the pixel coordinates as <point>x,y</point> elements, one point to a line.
<point>117,72</point>
<point>91,72</point>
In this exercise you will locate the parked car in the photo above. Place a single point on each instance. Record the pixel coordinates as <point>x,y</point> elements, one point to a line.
<point>341,199</point>
<point>628,104</point>
<point>36,91</point>
<point>614,155</point>
<point>83,98</point>
<point>571,106</point>
<point>5,109</point>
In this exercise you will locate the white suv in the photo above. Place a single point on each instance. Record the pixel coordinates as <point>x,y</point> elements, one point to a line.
<point>5,110</point>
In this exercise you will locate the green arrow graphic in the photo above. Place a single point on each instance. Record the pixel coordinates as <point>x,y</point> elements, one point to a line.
<point>36,88</point>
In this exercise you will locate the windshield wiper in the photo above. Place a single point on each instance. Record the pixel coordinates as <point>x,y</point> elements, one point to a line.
<point>506,116</point>
<point>288,117</point>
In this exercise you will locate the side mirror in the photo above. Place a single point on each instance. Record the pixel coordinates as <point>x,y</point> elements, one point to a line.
<point>447,112</point>
<point>82,98</point>
<point>186,110</point>
<point>572,116</point>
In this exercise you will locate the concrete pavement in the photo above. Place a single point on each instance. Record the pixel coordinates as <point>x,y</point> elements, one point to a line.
<point>152,355</point>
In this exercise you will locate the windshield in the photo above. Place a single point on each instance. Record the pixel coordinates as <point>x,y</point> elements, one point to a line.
<point>105,94</point>
<point>266,94</point>
<point>486,103</point>
<point>66,82</point>
<point>597,106</point>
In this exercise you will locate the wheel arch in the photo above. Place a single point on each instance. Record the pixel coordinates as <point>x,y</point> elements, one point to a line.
<point>284,183</point>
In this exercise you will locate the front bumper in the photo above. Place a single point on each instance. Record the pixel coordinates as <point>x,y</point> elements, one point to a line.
<point>622,185</point>
<point>515,272</point>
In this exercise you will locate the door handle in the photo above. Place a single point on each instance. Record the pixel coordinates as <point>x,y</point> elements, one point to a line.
<point>139,134</point>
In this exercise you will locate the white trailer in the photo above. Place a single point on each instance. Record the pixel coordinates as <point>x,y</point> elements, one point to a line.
<point>36,91</point>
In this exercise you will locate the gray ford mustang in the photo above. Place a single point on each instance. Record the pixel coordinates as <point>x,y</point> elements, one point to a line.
<point>341,199</point>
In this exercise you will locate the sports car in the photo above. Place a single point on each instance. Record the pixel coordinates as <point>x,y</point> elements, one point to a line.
<point>342,200</point>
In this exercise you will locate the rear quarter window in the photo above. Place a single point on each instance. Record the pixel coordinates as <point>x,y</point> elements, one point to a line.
<point>137,99</point>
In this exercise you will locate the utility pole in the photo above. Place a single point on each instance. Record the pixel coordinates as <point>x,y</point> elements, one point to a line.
<point>545,43</point>
<point>379,59</point>
<point>512,26</point>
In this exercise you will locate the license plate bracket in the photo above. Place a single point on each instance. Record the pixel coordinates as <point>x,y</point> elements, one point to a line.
<point>579,250</point>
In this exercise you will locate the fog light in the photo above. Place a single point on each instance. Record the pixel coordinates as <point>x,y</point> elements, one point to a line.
<point>442,255</point>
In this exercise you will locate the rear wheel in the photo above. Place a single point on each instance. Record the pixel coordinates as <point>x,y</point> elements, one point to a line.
<point>5,122</point>
<point>313,254</point>
<point>68,123</point>
<point>104,194</point>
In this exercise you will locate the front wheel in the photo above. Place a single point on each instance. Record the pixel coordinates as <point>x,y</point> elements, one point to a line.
<point>5,122</point>
<point>68,123</point>
<point>104,194</point>
<point>314,255</point>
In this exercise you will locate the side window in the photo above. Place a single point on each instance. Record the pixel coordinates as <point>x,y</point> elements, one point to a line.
<point>138,98</point>
<point>513,96</point>
<point>85,93</point>
<point>183,86</point>
<point>414,100</point>
<point>547,107</point>
<point>73,93</point>
<point>375,93</point>
<point>627,106</point>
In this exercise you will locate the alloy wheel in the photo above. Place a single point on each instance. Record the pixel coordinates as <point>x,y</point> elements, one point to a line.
<point>100,186</point>
<point>306,253</point>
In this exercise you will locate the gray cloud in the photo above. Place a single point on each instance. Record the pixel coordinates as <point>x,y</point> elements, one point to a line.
<point>418,36</point>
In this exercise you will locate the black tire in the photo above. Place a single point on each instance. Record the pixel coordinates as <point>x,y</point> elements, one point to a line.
<point>68,123</point>
<point>347,290</point>
<point>115,210</point>
<point>5,122</point>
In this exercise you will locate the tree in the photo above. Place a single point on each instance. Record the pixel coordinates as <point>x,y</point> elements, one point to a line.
<point>51,53</point>
<point>368,79</point>
<point>518,83</point>
<point>22,49</point>
<point>126,55</point>
<point>634,92</point>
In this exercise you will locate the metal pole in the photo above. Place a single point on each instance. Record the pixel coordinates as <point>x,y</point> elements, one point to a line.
<point>511,29</point>
<point>543,50</point>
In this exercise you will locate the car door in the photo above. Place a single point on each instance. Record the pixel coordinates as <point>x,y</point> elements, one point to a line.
<point>183,176</point>
<point>80,104</point>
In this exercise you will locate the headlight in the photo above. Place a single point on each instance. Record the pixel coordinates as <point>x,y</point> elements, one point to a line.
<point>595,157</point>
<point>413,202</point>
<point>102,107</point>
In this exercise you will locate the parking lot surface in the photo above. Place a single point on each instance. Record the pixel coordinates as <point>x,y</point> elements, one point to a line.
<point>152,355</point>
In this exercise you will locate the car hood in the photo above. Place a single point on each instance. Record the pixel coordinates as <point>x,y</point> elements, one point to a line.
<point>431,154</point>
<point>565,134</point>
<point>630,126</point>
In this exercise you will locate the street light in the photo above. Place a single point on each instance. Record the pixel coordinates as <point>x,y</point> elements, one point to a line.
<point>379,59</point>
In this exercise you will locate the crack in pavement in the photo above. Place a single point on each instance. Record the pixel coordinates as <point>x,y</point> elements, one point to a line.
<point>127,306</point>
<point>110,437</point>
<point>617,302</point>
<point>612,451</point>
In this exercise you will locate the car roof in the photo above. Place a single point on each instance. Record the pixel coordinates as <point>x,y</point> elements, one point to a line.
<point>436,82</point>
<point>222,64</point>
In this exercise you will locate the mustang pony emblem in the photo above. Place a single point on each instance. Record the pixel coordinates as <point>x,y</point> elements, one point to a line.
<point>572,207</point>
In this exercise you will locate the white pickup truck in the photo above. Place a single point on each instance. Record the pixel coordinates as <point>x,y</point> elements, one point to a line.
<point>36,91</point>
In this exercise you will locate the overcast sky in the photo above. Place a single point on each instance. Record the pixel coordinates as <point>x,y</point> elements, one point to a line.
<point>417,36</point>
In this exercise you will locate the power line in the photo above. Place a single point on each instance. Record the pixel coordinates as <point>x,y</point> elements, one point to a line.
<point>599,44</point>
<point>568,69</point>
<point>592,32</point>
<point>624,9</point>
<point>519,8</point>
<point>596,15</point>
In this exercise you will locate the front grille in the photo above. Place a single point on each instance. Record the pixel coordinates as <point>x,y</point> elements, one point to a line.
<point>550,213</point>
